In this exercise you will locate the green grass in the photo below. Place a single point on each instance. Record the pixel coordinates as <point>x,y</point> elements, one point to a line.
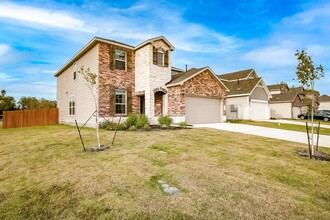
<point>315,121</point>
<point>291,127</point>
<point>45,175</point>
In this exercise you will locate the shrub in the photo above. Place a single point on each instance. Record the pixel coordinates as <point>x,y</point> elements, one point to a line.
<point>111,126</point>
<point>142,121</point>
<point>131,120</point>
<point>147,128</point>
<point>132,128</point>
<point>183,124</point>
<point>164,121</point>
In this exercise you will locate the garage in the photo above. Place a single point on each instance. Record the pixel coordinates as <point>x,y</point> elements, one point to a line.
<point>295,112</point>
<point>201,110</point>
<point>259,110</point>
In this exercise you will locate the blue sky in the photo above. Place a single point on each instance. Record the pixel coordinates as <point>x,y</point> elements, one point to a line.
<point>38,37</point>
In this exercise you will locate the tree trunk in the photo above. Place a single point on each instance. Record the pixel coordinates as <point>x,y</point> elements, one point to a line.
<point>312,115</point>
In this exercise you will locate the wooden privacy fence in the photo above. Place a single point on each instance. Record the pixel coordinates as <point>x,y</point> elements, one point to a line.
<point>25,118</point>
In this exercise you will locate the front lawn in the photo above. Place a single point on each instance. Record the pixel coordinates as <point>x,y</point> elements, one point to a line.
<point>45,175</point>
<point>285,126</point>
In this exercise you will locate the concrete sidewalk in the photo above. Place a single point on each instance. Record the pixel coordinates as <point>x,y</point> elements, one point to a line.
<point>302,122</point>
<point>286,135</point>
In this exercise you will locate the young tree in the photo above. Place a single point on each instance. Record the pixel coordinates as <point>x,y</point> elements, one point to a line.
<point>307,73</point>
<point>92,84</point>
<point>7,103</point>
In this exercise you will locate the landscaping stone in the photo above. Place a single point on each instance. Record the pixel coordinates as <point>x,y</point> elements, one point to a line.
<point>171,190</point>
<point>317,155</point>
<point>162,152</point>
<point>96,148</point>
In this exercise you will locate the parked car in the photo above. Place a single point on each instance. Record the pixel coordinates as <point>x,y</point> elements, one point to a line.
<point>320,114</point>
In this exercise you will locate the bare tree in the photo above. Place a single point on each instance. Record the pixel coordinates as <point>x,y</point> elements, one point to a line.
<point>92,84</point>
<point>307,73</point>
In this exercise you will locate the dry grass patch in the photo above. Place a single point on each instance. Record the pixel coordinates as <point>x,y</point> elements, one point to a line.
<point>44,174</point>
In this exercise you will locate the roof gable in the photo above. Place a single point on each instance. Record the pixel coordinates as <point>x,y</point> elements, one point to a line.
<point>179,79</point>
<point>152,40</point>
<point>284,97</point>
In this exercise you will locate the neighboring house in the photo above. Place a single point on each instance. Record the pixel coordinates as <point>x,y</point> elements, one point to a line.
<point>138,80</point>
<point>248,95</point>
<point>285,102</point>
<point>324,101</point>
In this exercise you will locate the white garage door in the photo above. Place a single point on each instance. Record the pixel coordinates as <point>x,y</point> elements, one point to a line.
<point>259,110</point>
<point>295,112</point>
<point>200,110</point>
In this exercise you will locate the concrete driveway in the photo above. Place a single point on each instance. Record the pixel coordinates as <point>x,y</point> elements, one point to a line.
<point>286,135</point>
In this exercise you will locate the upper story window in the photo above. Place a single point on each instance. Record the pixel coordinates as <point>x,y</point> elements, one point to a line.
<point>120,59</point>
<point>75,68</point>
<point>121,102</point>
<point>72,105</point>
<point>160,58</point>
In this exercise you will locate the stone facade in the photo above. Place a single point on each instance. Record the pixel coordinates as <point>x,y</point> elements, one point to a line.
<point>111,79</point>
<point>204,84</point>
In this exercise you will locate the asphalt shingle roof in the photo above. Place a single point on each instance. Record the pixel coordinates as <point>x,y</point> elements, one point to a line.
<point>324,98</point>
<point>236,75</point>
<point>276,86</point>
<point>284,97</point>
<point>241,86</point>
<point>177,78</point>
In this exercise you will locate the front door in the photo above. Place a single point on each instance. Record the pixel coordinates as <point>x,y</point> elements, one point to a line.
<point>142,105</point>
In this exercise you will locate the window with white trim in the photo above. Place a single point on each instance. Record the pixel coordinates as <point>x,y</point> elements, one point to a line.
<point>75,68</point>
<point>120,59</point>
<point>72,105</point>
<point>160,58</point>
<point>121,102</point>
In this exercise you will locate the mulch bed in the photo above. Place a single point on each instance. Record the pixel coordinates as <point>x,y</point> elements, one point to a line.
<point>318,155</point>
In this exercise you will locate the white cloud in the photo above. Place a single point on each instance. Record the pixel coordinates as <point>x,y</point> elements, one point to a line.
<point>273,56</point>
<point>6,78</point>
<point>41,16</point>
<point>4,49</point>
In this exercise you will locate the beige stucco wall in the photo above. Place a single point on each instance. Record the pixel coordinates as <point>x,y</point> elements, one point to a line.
<point>324,106</point>
<point>259,94</point>
<point>242,105</point>
<point>280,110</point>
<point>66,87</point>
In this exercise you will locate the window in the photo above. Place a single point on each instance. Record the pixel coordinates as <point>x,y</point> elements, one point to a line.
<point>160,58</point>
<point>120,102</point>
<point>75,71</point>
<point>72,104</point>
<point>120,58</point>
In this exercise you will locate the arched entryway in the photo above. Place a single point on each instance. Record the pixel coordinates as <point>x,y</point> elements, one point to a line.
<point>159,101</point>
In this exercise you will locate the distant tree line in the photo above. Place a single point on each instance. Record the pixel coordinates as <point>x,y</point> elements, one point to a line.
<point>8,103</point>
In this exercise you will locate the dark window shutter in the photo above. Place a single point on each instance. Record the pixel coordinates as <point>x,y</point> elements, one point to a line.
<point>129,100</point>
<point>112,100</point>
<point>112,63</point>
<point>129,60</point>
<point>166,59</point>
<point>155,52</point>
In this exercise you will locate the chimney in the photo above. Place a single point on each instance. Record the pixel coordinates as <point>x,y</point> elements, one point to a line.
<point>237,80</point>
<point>186,67</point>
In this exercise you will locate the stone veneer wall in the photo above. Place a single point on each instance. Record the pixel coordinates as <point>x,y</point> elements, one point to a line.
<point>116,79</point>
<point>203,84</point>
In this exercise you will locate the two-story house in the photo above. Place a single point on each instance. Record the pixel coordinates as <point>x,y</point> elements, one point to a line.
<point>138,79</point>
